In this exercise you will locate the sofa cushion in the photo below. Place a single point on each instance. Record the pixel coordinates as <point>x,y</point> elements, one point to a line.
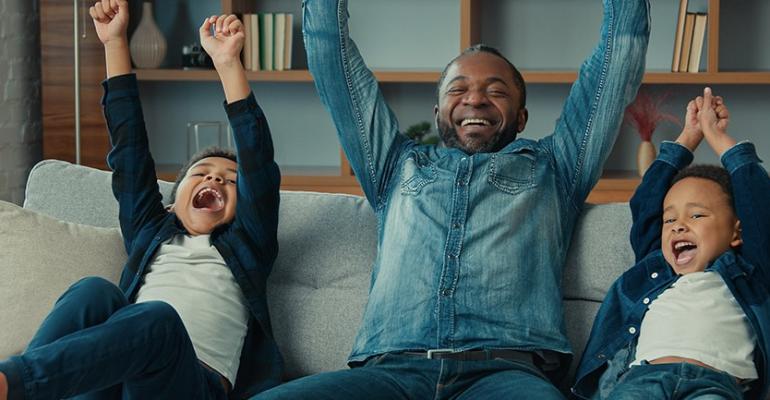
<point>40,258</point>
<point>599,253</point>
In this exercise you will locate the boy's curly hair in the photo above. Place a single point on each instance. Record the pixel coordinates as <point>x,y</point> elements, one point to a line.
<point>713,173</point>
<point>212,151</point>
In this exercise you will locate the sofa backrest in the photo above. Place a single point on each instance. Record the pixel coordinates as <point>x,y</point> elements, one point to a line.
<point>320,282</point>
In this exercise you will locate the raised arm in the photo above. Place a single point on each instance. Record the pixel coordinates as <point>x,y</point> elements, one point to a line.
<point>647,202</point>
<point>607,82</point>
<point>367,128</point>
<point>258,181</point>
<point>134,182</point>
<point>750,182</point>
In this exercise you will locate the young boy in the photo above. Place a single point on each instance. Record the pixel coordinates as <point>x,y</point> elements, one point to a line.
<point>692,318</point>
<point>189,319</point>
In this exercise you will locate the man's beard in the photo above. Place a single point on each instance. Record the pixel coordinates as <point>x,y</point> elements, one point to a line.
<point>473,145</point>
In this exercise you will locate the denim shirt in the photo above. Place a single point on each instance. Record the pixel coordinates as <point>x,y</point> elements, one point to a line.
<point>248,244</point>
<point>471,246</point>
<point>612,344</point>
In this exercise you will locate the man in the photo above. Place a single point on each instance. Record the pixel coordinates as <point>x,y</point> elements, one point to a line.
<point>465,300</point>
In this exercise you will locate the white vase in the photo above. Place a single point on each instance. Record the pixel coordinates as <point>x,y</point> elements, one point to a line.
<point>148,46</point>
<point>645,155</point>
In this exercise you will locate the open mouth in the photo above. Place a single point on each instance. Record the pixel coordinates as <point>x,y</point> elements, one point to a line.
<point>209,199</point>
<point>475,122</point>
<point>684,251</point>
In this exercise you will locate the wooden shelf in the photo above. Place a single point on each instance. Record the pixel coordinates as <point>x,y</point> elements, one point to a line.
<point>404,76</point>
<point>180,75</point>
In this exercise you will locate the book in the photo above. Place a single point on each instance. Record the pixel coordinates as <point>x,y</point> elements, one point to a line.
<point>289,41</point>
<point>247,43</point>
<point>679,34</point>
<point>279,37</point>
<point>255,58</point>
<point>266,41</point>
<point>689,25</point>
<point>698,37</point>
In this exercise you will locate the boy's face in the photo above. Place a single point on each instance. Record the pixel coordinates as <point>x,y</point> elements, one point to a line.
<point>698,225</point>
<point>206,196</point>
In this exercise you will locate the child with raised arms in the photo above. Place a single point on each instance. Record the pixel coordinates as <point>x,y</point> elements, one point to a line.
<point>189,318</point>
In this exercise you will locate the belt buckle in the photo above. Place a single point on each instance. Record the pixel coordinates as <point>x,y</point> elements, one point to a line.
<point>431,352</point>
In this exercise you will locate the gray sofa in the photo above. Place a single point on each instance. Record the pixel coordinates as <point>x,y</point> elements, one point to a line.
<point>319,284</point>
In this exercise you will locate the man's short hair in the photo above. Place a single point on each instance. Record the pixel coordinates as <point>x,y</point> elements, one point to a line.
<point>713,173</point>
<point>212,151</point>
<point>518,79</point>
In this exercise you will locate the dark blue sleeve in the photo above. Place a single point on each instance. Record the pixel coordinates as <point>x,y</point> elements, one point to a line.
<point>259,180</point>
<point>751,194</point>
<point>134,182</point>
<point>647,202</point>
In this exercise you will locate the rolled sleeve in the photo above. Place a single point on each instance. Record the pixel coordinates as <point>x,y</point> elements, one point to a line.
<point>739,155</point>
<point>675,154</point>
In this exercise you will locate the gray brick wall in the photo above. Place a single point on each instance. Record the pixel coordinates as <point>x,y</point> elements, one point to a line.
<point>21,129</point>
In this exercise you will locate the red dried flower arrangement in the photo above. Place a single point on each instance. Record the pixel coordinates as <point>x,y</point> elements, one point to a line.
<point>645,113</point>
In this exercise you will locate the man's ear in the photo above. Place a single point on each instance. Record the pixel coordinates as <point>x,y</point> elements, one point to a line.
<point>736,241</point>
<point>522,116</point>
<point>435,117</point>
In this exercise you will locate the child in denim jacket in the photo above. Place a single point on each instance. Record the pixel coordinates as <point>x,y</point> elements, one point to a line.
<point>692,317</point>
<point>189,319</point>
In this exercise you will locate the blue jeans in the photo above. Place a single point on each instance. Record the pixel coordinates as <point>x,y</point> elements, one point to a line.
<point>675,381</point>
<point>96,344</point>
<point>393,376</point>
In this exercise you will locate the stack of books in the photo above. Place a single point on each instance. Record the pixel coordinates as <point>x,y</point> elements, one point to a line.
<point>688,42</point>
<point>269,40</point>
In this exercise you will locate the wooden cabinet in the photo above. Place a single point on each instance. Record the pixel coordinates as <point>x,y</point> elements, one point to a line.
<point>57,42</point>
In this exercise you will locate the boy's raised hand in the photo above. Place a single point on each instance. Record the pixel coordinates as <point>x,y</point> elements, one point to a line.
<point>224,46</point>
<point>225,43</point>
<point>692,134</point>
<point>714,118</point>
<point>110,20</point>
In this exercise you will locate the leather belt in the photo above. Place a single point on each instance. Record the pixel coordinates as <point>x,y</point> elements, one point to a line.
<point>477,355</point>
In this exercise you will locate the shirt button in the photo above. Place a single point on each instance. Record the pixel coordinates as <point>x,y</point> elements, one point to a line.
<point>632,330</point>
<point>446,292</point>
<point>456,226</point>
<point>646,300</point>
<point>654,275</point>
<point>601,356</point>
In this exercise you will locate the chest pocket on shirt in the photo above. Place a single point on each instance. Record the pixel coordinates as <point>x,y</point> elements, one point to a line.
<point>416,172</point>
<point>512,173</point>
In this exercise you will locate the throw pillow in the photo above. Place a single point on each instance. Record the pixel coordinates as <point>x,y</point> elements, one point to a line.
<point>40,257</point>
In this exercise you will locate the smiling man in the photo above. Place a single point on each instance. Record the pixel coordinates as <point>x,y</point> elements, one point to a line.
<point>465,299</point>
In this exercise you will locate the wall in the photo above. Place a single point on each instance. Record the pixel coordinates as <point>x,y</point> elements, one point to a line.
<point>20,112</point>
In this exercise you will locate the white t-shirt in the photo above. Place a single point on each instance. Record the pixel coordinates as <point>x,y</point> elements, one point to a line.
<point>698,318</point>
<point>189,274</point>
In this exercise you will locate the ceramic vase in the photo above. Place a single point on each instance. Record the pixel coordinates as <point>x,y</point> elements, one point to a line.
<point>645,156</point>
<point>148,46</point>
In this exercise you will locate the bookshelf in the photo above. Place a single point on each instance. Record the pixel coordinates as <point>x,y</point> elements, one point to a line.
<point>475,21</point>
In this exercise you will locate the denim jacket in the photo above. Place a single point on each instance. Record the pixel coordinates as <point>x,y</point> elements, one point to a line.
<point>248,244</point>
<point>471,246</point>
<point>612,344</point>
